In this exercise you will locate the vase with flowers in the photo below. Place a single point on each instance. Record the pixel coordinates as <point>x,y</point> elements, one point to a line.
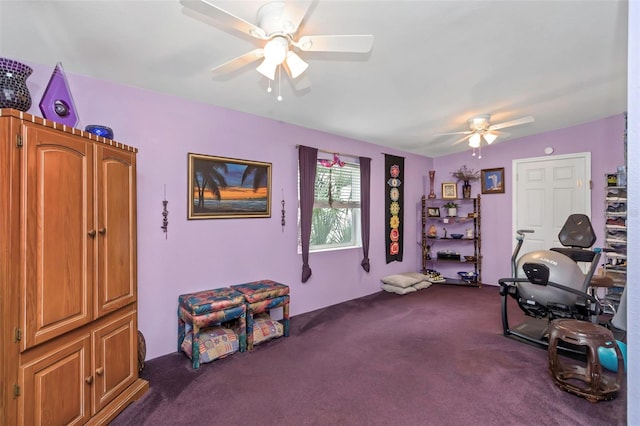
<point>467,176</point>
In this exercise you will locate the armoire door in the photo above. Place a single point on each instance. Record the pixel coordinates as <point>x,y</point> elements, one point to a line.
<point>116,196</point>
<point>115,358</point>
<point>56,386</point>
<point>57,233</point>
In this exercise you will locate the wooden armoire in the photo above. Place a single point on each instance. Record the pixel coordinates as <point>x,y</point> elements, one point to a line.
<point>68,289</point>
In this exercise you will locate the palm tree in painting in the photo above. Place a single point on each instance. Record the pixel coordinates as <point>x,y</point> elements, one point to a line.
<point>259,174</point>
<point>208,174</point>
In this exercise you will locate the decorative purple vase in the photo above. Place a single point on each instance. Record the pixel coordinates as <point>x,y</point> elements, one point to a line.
<point>13,85</point>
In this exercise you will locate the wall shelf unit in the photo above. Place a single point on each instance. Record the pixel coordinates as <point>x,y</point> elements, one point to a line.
<point>452,243</point>
<point>615,252</point>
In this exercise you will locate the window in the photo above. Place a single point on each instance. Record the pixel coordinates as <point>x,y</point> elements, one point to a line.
<point>335,221</point>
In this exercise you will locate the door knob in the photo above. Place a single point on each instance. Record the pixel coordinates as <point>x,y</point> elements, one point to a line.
<point>92,233</point>
<point>89,380</point>
<point>100,371</point>
<point>102,231</point>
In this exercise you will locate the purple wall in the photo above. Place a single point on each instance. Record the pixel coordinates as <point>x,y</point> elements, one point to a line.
<point>212,253</point>
<point>603,138</point>
<point>206,254</point>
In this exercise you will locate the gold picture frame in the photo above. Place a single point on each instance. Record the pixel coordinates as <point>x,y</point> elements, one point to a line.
<point>449,191</point>
<point>224,188</point>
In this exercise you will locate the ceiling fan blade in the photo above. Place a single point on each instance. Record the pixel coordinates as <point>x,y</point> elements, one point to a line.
<point>207,8</point>
<point>239,62</point>
<point>468,132</point>
<point>462,139</point>
<point>302,83</point>
<point>510,123</point>
<point>297,12</point>
<point>336,43</point>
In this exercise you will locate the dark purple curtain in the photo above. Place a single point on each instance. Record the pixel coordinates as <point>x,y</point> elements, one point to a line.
<point>307,160</point>
<point>365,214</point>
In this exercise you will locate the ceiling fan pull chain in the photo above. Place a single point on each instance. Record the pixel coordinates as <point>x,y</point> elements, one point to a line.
<point>279,82</point>
<point>269,87</point>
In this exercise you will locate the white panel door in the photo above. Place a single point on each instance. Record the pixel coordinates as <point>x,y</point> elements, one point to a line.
<point>548,190</point>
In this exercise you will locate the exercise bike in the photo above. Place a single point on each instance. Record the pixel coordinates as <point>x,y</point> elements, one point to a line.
<point>549,284</point>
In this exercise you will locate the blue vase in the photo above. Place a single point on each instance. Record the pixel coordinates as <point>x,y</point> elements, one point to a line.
<point>99,130</point>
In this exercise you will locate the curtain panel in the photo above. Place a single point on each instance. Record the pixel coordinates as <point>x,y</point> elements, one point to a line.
<point>307,161</point>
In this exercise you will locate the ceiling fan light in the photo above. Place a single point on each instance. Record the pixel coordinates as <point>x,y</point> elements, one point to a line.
<point>275,51</point>
<point>478,123</point>
<point>268,69</point>
<point>490,137</point>
<point>474,140</point>
<point>296,65</point>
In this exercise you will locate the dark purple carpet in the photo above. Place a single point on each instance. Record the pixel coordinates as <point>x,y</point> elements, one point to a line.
<point>433,357</point>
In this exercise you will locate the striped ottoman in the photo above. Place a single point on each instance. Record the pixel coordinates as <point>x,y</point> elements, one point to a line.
<point>262,296</point>
<point>206,308</point>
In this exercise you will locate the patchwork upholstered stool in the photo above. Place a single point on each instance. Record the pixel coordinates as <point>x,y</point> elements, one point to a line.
<point>206,308</point>
<point>589,382</point>
<point>262,296</point>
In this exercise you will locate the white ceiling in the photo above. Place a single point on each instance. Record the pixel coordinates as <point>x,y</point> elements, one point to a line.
<point>434,64</point>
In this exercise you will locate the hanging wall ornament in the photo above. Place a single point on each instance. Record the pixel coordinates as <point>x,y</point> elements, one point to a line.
<point>165,214</point>
<point>282,218</point>
<point>57,103</point>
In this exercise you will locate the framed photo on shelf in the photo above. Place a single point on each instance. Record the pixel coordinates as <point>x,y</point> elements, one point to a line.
<point>492,181</point>
<point>433,212</point>
<point>449,190</point>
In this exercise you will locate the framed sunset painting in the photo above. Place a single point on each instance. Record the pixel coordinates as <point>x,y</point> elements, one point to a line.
<point>224,188</point>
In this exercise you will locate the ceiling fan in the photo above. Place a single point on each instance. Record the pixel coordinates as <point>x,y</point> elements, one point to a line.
<point>480,128</point>
<point>277,29</point>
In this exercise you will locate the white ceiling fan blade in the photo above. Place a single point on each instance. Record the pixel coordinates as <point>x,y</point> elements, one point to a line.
<point>302,83</point>
<point>468,132</point>
<point>237,63</point>
<point>297,12</point>
<point>336,43</point>
<point>462,139</point>
<point>207,8</point>
<point>510,123</point>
